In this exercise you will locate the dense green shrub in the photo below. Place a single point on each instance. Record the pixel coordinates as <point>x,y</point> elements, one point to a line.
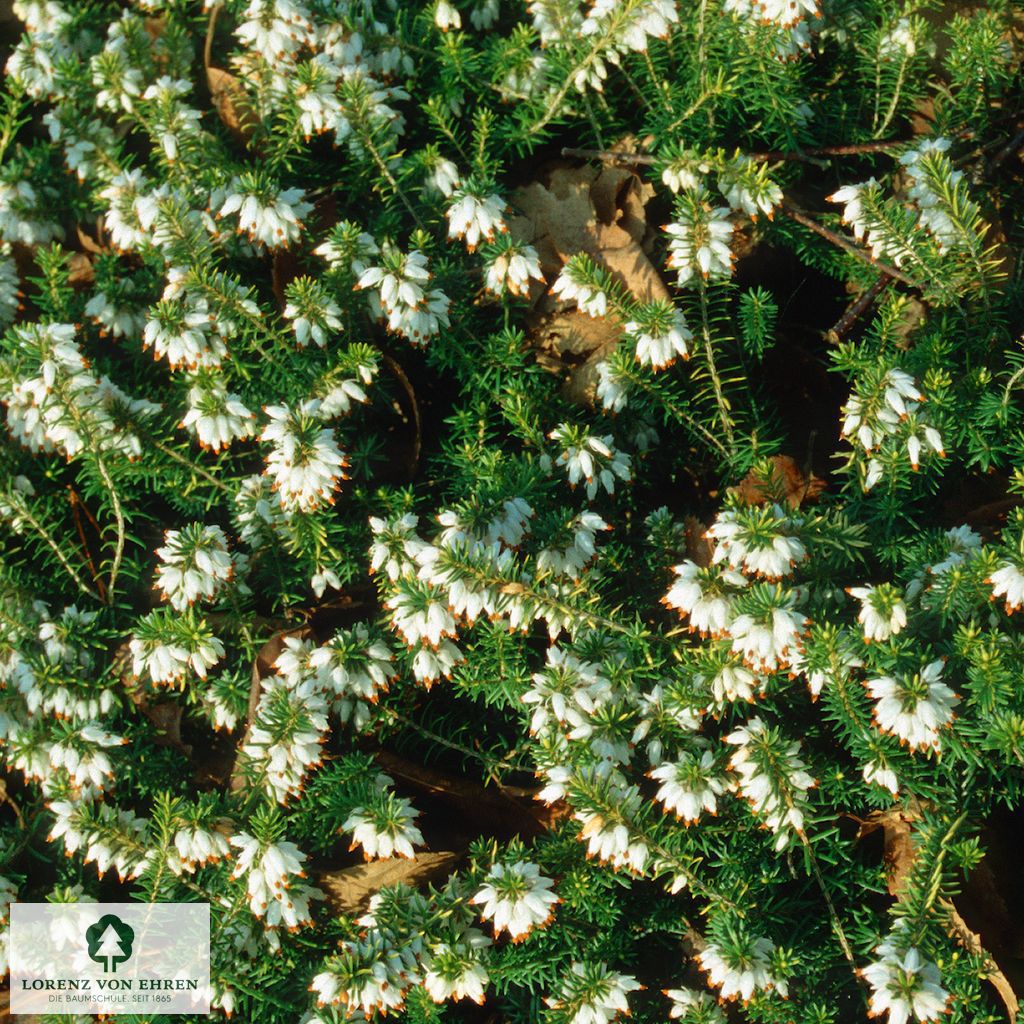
<point>637,523</point>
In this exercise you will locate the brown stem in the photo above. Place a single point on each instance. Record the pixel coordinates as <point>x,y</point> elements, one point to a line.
<point>801,217</point>
<point>646,159</point>
<point>856,310</point>
<point>1007,151</point>
<point>210,29</point>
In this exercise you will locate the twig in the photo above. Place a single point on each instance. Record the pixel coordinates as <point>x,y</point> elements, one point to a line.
<point>412,462</point>
<point>189,464</point>
<point>850,149</point>
<point>835,334</point>
<point>25,513</point>
<point>801,217</point>
<point>1007,151</point>
<point>610,156</point>
<point>210,27</point>
<point>76,504</point>
<point>646,159</point>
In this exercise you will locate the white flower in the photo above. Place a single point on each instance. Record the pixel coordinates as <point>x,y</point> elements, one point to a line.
<point>659,348</point>
<point>571,560</point>
<point>286,734</point>
<point>165,657</point>
<point>215,415</point>
<point>734,682</point>
<point>904,985</point>
<point>571,286</point>
<point>275,29</point>
<point>443,177</point>
<point>689,786</point>
<point>267,216</point>
<point>611,841</point>
<point>876,772</point>
<point>516,898</point>
<point>182,335</point>
<point>593,994</point>
<point>385,832</point>
<point>313,321</point>
<point>694,1007</point>
<point>963,542</point>
<point>195,565</point>
<point>446,16</point>
<point>932,438</point>
<point>1008,583</point>
<point>431,664</point>
<point>703,595</point>
<point>453,970</point>
<point>612,391</point>
<point>741,971</point>
<point>341,394</point>
<point>396,546</point>
<point>766,642</point>
<point>197,845</point>
<point>914,708</point>
<point>400,297</point>
<point>421,614</point>
<point>746,190</point>
<point>474,218</point>
<point>305,463</point>
<point>590,459</point>
<point>758,540</point>
<point>851,196</point>
<point>771,777</point>
<point>271,870</point>
<point>10,285</point>
<point>882,612</point>
<point>484,14</point>
<point>699,242</point>
<point>512,269</point>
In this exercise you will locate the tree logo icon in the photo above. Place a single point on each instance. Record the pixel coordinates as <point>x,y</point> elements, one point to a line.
<point>110,942</point>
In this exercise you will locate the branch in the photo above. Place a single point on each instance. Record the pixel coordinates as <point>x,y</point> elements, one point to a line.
<point>801,217</point>
<point>804,156</point>
<point>835,334</point>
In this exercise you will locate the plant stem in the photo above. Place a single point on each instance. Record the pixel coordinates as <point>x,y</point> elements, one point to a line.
<point>723,404</point>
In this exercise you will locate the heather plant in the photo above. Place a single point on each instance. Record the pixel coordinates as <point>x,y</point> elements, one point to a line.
<point>452,664</point>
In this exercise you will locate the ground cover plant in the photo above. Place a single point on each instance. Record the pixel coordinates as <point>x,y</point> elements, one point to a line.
<point>517,504</point>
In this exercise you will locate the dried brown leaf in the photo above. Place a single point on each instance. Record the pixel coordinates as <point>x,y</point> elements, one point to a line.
<point>698,548</point>
<point>348,891</point>
<point>232,103</point>
<point>787,480</point>
<point>80,272</point>
<point>86,241</point>
<point>598,211</point>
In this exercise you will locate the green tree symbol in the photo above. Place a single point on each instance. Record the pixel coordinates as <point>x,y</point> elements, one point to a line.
<point>110,941</point>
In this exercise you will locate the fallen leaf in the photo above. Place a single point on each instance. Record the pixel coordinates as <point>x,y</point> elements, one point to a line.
<point>232,103</point>
<point>599,211</point>
<point>87,242</point>
<point>348,891</point>
<point>787,481</point>
<point>698,548</point>
<point>80,272</point>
